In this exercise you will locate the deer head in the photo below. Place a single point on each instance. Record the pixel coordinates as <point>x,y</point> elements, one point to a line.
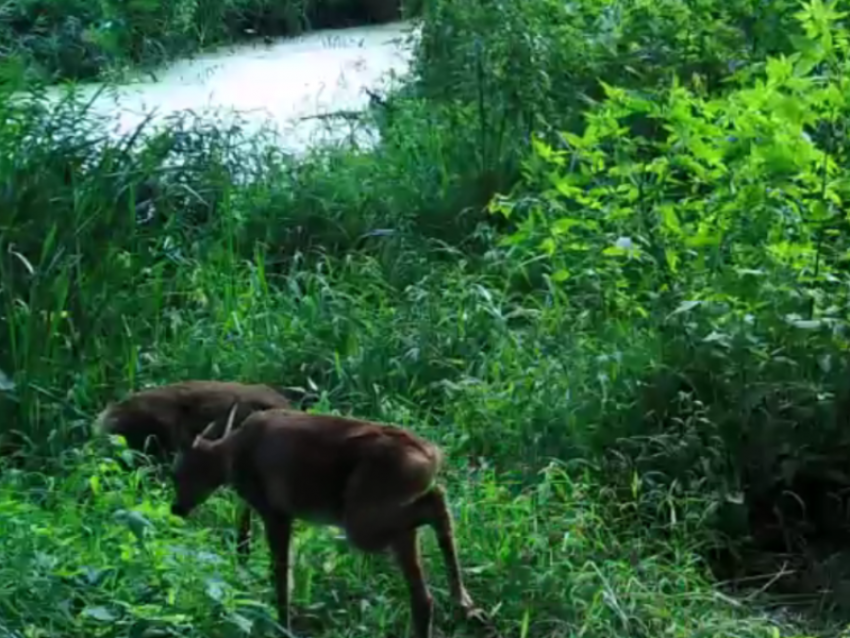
<point>200,469</point>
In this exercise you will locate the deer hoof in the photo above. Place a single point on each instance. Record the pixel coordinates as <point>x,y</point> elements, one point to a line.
<point>478,616</point>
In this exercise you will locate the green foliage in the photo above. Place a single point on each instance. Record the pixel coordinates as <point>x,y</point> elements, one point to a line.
<point>658,185</point>
<point>536,65</point>
<point>718,218</point>
<point>606,233</point>
<point>81,39</point>
<point>669,203</point>
<point>97,554</point>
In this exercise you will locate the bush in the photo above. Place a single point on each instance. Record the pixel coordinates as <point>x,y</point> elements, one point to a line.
<point>715,217</point>
<point>76,39</point>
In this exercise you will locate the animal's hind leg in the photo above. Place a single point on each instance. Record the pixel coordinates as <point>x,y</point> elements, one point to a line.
<point>435,511</point>
<point>381,508</point>
<point>380,502</point>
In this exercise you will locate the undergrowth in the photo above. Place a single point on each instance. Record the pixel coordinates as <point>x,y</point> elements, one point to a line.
<point>79,40</point>
<point>599,255</point>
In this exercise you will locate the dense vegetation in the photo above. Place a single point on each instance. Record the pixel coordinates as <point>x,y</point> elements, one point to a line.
<point>600,256</point>
<point>80,39</point>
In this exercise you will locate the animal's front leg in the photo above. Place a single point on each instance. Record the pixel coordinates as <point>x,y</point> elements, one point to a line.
<point>278,533</point>
<point>406,549</point>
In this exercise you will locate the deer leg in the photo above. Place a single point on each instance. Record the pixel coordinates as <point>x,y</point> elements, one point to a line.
<point>406,549</point>
<point>243,538</point>
<point>440,519</point>
<point>371,528</point>
<point>382,507</point>
<point>278,533</point>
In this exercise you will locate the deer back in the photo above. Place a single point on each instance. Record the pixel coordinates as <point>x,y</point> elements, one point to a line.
<point>168,418</point>
<point>302,464</point>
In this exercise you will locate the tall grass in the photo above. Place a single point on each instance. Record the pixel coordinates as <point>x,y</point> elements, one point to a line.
<point>598,256</point>
<point>78,40</point>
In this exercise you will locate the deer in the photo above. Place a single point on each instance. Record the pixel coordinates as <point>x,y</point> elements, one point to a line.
<point>377,482</point>
<point>163,420</point>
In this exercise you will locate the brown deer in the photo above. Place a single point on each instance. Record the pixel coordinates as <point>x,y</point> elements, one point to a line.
<point>163,420</point>
<point>374,481</point>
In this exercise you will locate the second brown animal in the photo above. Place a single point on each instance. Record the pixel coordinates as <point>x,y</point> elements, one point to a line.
<point>163,420</point>
<point>376,482</point>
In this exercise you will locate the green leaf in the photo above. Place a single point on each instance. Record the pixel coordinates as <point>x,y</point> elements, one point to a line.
<point>573,140</point>
<point>613,251</point>
<point>672,258</point>
<point>214,589</point>
<point>685,306</point>
<point>561,275</point>
<point>670,219</point>
<point>807,324</point>
<point>245,625</point>
<point>779,69</point>
<point>135,521</point>
<point>563,225</point>
<point>524,625</point>
<point>548,246</point>
<point>99,613</point>
<point>6,383</point>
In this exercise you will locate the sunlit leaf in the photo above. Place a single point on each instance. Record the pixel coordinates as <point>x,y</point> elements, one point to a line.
<point>685,306</point>
<point>215,589</point>
<point>560,275</point>
<point>245,625</point>
<point>548,246</point>
<point>100,613</point>
<point>6,383</point>
<point>135,521</point>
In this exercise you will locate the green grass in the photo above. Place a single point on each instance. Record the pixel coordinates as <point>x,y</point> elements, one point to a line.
<point>79,40</point>
<point>102,556</point>
<point>599,256</point>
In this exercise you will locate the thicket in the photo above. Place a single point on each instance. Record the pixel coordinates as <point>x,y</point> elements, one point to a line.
<point>83,39</point>
<point>600,255</point>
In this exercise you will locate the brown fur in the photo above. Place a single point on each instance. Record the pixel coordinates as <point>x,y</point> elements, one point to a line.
<point>374,481</point>
<point>166,419</point>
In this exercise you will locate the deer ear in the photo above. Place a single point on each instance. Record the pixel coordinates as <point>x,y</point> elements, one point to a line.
<point>198,442</point>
